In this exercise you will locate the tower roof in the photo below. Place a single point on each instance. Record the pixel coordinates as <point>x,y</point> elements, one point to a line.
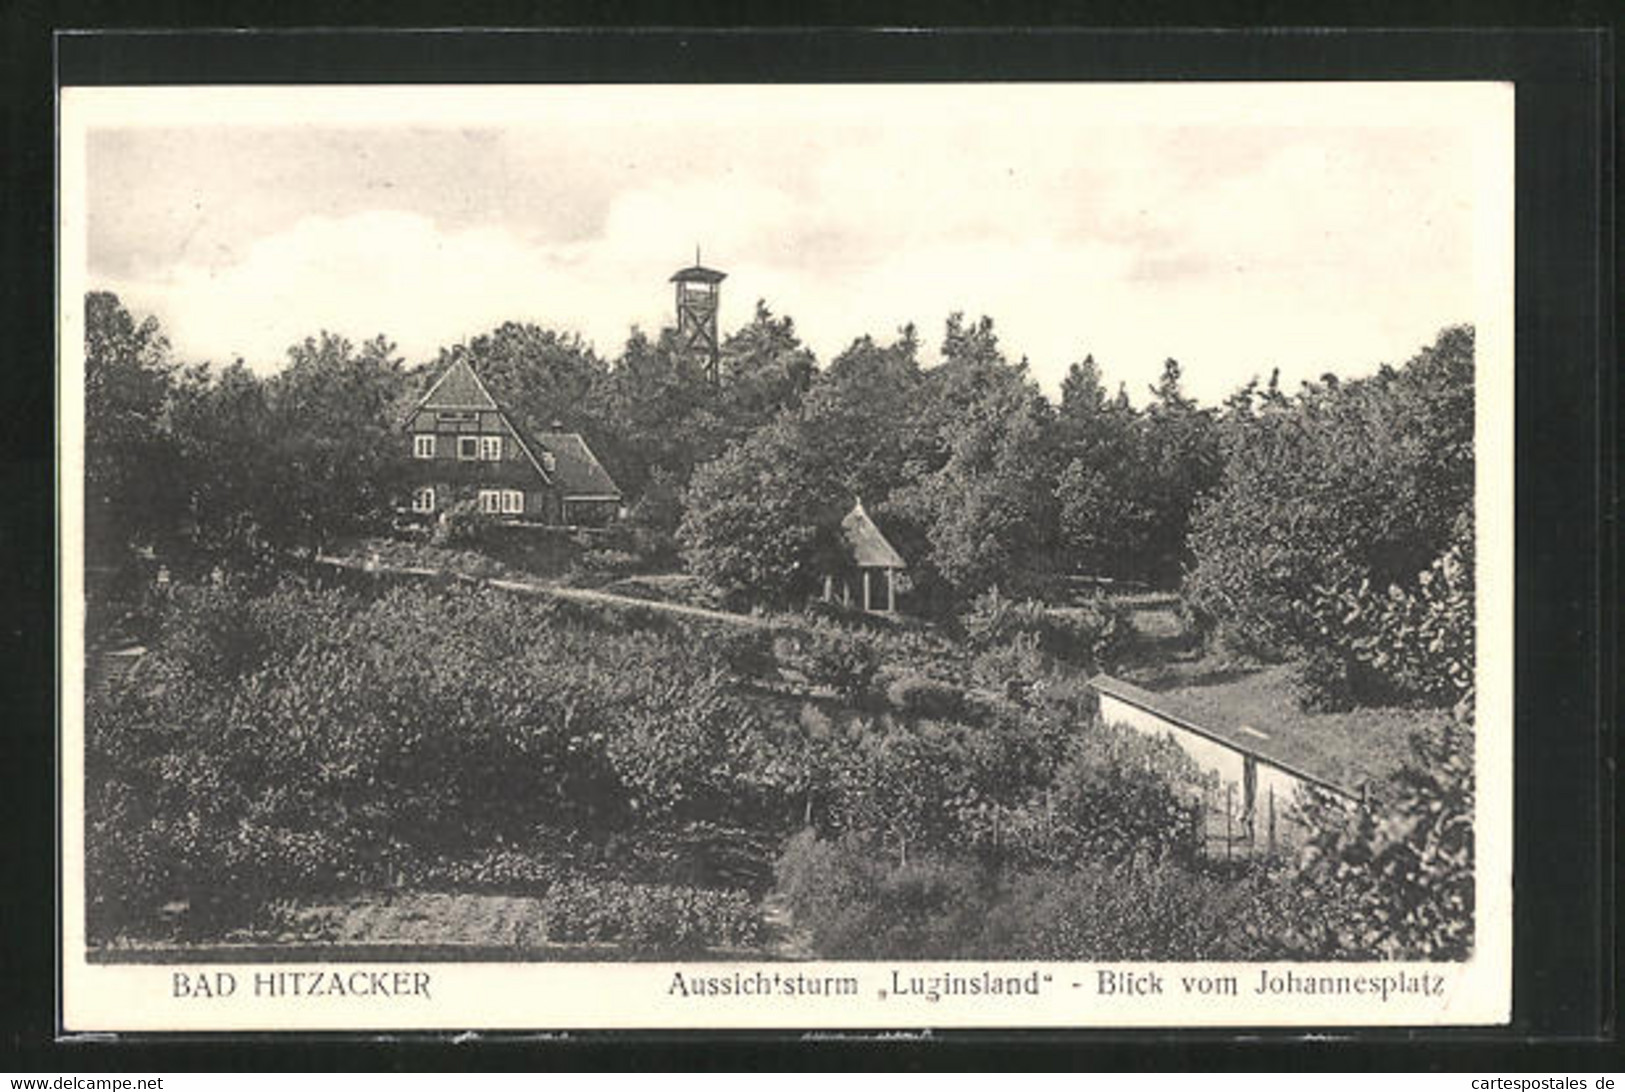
<point>699,273</point>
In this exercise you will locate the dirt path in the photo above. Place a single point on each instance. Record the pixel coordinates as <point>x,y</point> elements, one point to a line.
<point>783,938</point>
<point>579,595</point>
<point>590,595</point>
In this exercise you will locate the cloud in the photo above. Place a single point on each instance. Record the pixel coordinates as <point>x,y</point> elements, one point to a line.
<point>1234,248</point>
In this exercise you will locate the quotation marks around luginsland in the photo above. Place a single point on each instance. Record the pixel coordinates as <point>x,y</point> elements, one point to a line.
<point>934,987</point>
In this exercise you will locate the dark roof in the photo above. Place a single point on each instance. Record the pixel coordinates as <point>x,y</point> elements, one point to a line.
<point>699,273</point>
<point>866,545</point>
<point>576,470</point>
<point>458,388</point>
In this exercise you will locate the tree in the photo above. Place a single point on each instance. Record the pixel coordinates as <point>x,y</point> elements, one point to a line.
<point>1344,483</point>
<point>973,372</point>
<point>759,523</point>
<point>1180,459</point>
<point>862,416</point>
<point>334,454</point>
<point>664,409</point>
<point>993,502</point>
<point>223,426</point>
<point>984,473</point>
<point>1105,517</point>
<point>764,368</point>
<point>134,492</point>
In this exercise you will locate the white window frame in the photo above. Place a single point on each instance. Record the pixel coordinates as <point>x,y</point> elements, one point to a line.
<point>513,502</point>
<point>423,445</point>
<point>491,448</point>
<point>423,499</point>
<point>468,448</point>
<point>491,501</point>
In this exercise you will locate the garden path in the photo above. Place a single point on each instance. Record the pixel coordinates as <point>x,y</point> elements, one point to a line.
<point>580,595</point>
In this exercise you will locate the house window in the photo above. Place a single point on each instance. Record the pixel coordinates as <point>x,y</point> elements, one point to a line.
<point>491,448</point>
<point>423,499</point>
<point>468,447</point>
<point>549,463</point>
<point>490,501</point>
<point>423,445</point>
<point>513,502</point>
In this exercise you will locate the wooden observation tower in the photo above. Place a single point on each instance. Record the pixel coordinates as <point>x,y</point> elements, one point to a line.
<point>698,292</point>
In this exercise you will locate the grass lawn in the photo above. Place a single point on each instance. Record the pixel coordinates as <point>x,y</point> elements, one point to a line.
<point>1256,706</point>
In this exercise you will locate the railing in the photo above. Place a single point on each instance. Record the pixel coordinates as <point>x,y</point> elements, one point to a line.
<point>1239,836</point>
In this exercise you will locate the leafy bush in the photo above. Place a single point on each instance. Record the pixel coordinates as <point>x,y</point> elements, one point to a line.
<point>830,655</point>
<point>1162,912</point>
<point>1324,683</point>
<point>652,523</point>
<point>1116,798</point>
<point>645,916</point>
<point>1094,634</point>
<point>462,524</point>
<point>608,562</point>
<point>507,869</point>
<point>994,619</point>
<point>856,907</point>
<point>1414,642</point>
<point>1016,669</point>
<point>1400,874</point>
<point>922,696</point>
<point>311,742</point>
<point>747,653</point>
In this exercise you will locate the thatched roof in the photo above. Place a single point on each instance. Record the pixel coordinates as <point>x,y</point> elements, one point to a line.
<point>866,545</point>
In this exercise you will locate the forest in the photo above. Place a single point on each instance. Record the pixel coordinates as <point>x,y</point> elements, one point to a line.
<point>295,739</point>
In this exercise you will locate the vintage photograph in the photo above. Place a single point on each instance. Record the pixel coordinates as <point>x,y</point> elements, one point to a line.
<point>763,528</point>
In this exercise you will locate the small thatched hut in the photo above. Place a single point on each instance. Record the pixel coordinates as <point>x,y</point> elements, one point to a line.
<point>869,570</point>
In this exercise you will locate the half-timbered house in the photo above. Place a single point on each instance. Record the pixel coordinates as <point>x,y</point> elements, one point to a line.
<point>465,446</point>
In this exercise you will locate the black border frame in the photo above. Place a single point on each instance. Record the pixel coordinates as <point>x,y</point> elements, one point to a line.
<point>1567,680</point>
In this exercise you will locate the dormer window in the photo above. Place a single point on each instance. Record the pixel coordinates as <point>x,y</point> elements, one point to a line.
<point>423,445</point>
<point>468,447</point>
<point>548,462</point>
<point>491,448</point>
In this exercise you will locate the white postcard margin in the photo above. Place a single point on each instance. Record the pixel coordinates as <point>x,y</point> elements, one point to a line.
<point>528,996</point>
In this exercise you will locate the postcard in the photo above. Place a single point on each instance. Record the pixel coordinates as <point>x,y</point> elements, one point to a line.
<point>840,556</point>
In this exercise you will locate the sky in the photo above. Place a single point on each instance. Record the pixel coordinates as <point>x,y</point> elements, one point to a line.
<point>1236,228</point>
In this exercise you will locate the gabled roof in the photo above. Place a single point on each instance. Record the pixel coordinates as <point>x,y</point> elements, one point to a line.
<point>458,388</point>
<point>1295,744</point>
<point>867,546</point>
<point>576,469</point>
